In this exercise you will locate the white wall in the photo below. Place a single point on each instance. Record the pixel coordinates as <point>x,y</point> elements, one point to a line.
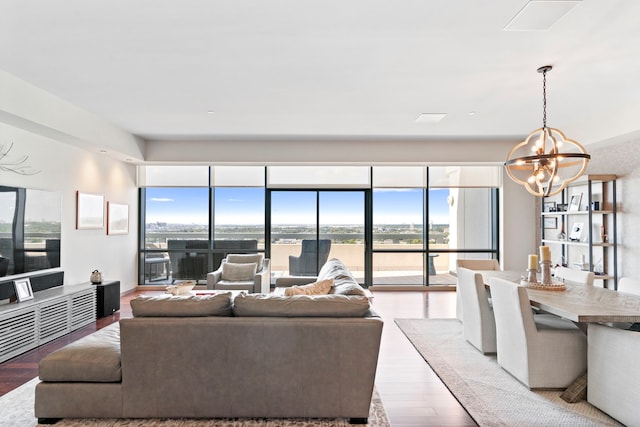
<point>623,159</point>
<point>67,169</point>
<point>519,233</point>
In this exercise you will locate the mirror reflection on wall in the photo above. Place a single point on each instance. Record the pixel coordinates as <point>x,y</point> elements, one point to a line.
<point>30,229</point>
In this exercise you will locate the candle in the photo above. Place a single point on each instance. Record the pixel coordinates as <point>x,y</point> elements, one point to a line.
<point>533,262</point>
<point>545,253</point>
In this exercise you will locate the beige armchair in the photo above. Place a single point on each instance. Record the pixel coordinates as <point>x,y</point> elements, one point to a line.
<point>472,264</point>
<point>479,324</point>
<point>542,351</point>
<point>248,272</point>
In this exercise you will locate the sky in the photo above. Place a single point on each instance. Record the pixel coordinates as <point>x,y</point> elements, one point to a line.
<point>245,206</point>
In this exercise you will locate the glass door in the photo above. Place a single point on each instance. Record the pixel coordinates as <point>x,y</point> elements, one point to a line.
<point>308,227</point>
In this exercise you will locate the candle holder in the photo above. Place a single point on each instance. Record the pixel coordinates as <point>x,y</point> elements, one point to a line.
<point>545,266</point>
<point>531,277</point>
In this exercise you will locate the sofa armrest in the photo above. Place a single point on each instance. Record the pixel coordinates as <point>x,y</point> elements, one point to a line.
<point>285,282</point>
<point>213,278</point>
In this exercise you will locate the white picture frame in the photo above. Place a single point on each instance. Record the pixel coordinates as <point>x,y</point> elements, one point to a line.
<point>89,211</point>
<point>23,289</point>
<point>574,203</point>
<point>576,231</point>
<point>117,218</point>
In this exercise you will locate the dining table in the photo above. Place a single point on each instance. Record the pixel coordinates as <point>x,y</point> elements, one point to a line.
<point>578,303</point>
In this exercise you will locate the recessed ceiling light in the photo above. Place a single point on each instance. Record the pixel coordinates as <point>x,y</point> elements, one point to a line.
<point>540,15</point>
<point>211,112</point>
<point>472,113</point>
<point>430,117</point>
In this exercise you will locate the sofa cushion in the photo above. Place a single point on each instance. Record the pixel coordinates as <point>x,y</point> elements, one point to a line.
<point>270,305</point>
<point>322,287</point>
<point>247,259</point>
<point>238,271</point>
<point>182,306</point>
<point>347,287</point>
<point>334,269</point>
<point>94,358</point>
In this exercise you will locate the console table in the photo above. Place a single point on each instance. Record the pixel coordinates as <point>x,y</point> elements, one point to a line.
<point>51,313</point>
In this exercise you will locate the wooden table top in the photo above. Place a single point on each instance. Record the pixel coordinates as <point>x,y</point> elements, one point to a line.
<point>579,303</point>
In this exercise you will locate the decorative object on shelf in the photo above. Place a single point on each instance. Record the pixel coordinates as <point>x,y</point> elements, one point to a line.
<point>561,207</point>
<point>96,277</point>
<point>551,222</point>
<point>603,234</point>
<point>549,207</point>
<point>537,162</point>
<point>562,235</point>
<point>89,211</point>
<point>576,231</point>
<point>15,166</point>
<point>23,289</point>
<point>574,204</point>
<point>595,206</point>
<point>117,218</point>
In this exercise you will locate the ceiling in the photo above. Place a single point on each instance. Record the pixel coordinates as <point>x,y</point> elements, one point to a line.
<point>292,69</point>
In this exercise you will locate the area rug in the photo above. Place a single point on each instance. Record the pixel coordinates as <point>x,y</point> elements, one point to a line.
<point>490,394</point>
<point>16,410</point>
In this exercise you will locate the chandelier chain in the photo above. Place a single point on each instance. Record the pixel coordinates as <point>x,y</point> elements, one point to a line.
<point>544,99</point>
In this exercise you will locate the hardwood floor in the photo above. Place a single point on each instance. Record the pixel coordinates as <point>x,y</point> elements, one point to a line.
<point>412,394</point>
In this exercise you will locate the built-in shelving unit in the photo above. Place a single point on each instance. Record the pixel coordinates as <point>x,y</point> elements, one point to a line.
<point>51,314</point>
<point>580,226</point>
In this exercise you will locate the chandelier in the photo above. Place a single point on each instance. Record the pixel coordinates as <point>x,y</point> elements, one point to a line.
<point>546,161</point>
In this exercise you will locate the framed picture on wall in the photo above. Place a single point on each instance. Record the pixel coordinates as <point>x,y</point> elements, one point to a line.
<point>89,211</point>
<point>117,218</point>
<point>23,289</point>
<point>551,222</point>
<point>549,207</point>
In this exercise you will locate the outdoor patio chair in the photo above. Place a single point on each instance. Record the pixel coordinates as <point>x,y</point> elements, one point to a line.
<point>314,253</point>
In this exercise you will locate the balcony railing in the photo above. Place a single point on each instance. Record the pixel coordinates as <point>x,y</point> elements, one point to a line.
<point>397,260</point>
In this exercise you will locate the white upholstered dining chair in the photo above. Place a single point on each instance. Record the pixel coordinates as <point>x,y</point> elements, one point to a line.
<point>542,351</point>
<point>472,264</point>
<point>629,285</point>
<point>479,325</point>
<point>572,275</point>
<point>614,372</point>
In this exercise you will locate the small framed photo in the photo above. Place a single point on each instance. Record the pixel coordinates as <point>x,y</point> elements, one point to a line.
<point>23,289</point>
<point>576,231</point>
<point>561,207</point>
<point>551,222</point>
<point>574,204</point>
<point>549,207</point>
<point>117,218</point>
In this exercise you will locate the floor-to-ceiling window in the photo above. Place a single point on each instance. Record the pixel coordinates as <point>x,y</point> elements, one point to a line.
<point>390,225</point>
